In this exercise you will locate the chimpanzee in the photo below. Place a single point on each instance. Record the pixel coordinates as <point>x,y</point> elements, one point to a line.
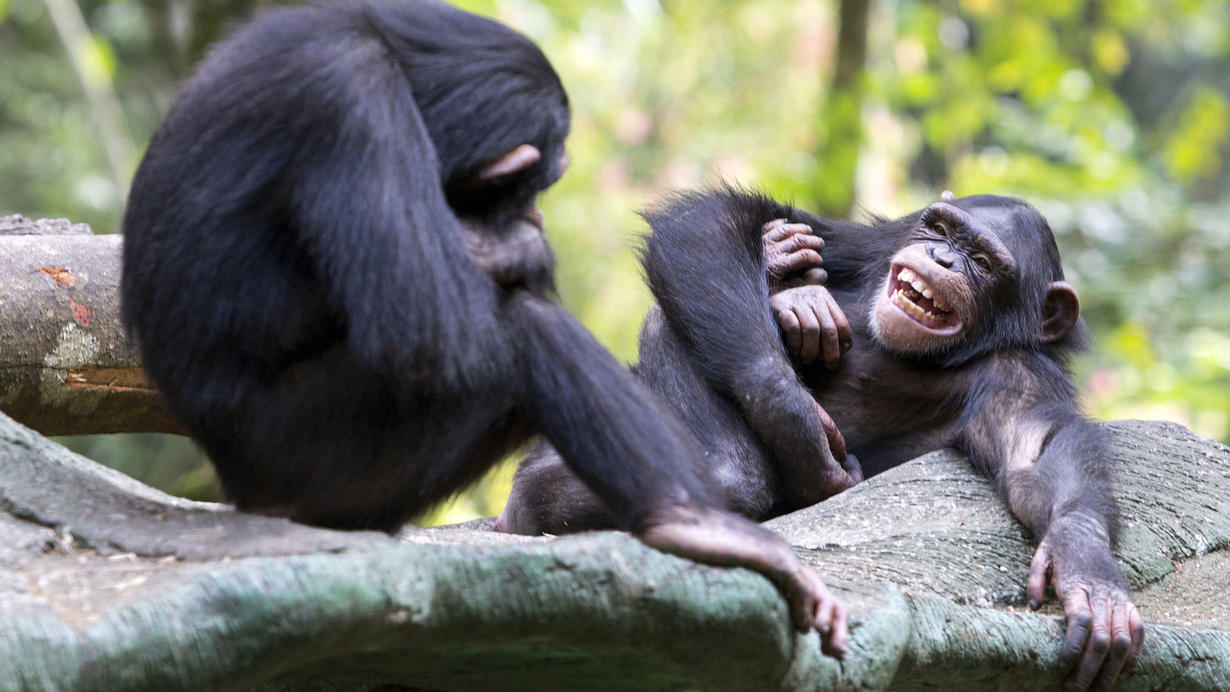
<point>959,332</point>
<point>337,276</point>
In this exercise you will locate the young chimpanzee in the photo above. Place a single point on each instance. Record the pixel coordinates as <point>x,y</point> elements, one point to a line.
<point>336,272</point>
<point>960,327</point>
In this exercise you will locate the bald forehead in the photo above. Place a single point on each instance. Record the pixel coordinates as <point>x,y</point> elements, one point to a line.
<point>1016,224</point>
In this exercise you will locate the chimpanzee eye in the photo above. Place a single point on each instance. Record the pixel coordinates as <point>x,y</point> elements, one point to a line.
<point>941,228</point>
<point>983,262</point>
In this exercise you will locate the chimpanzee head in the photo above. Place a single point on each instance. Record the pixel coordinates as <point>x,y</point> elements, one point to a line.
<point>976,275</point>
<point>495,109</point>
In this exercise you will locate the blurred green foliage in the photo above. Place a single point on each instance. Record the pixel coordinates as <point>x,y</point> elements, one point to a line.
<point>1112,116</point>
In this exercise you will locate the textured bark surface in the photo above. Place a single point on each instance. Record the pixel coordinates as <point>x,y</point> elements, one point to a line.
<point>65,365</point>
<point>106,584</point>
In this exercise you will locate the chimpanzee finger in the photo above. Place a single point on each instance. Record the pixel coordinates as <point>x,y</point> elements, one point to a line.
<point>805,605</point>
<point>1096,648</point>
<point>853,468</point>
<point>830,346</point>
<point>803,239</point>
<point>772,225</point>
<point>796,261</point>
<point>1039,569</point>
<point>835,644</point>
<point>822,618</point>
<point>778,232</point>
<point>845,336</point>
<point>1136,626</point>
<point>1120,645</point>
<point>814,277</point>
<point>837,443</point>
<point>809,349</point>
<point>1080,623</point>
<point>789,324</point>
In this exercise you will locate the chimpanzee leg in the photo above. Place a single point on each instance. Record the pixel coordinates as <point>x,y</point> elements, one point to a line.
<point>548,497</point>
<point>738,467</point>
<point>335,444</point>
<point>706,267</point>
<point>621,442</point>
<point>633,454</point>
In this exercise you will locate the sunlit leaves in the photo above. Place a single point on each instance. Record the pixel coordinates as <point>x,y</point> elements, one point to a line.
<point>1109,50</point>
<point>1198,144</point>
<point>97,59</point>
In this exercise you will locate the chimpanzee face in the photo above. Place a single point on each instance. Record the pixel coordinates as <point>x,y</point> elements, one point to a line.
<point>928,298</point>
<point>962,278</point>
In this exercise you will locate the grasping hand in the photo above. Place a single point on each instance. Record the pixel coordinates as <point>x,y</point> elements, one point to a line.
<point>812,324</point>
<point>792,254</point>
<point>1105,631</point>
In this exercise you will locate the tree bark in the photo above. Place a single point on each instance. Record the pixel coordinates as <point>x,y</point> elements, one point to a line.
<point>107,584</point>
<point>66,366</point>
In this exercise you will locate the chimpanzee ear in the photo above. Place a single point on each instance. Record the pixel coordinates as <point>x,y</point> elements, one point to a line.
<point>1060,311</point>
<point>515,161</point>
<point>947,196</point>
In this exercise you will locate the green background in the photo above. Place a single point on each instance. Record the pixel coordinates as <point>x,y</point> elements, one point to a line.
<point>1111,116</point>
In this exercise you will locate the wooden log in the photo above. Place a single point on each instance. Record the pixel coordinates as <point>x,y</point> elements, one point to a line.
<point>66,366</point>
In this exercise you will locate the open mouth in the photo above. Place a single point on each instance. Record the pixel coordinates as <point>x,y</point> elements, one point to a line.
<point>918,300</point>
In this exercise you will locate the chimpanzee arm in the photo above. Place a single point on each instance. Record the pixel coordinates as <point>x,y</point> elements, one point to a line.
<point>1051,466</point>
<point>388,247</point>
<point>639,459</point>
<point>705,265</point>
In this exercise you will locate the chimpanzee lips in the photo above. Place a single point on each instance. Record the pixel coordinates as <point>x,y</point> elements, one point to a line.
<point>917,299</point>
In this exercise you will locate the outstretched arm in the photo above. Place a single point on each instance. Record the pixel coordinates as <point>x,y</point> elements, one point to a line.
<point>706,266</point>
<point>1052,468</point>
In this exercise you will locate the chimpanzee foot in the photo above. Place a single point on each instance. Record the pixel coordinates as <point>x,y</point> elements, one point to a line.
<point>719,538</point>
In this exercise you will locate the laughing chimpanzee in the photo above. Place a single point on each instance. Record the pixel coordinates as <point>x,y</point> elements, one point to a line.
<point>337,276</point>
<point>960,327</point>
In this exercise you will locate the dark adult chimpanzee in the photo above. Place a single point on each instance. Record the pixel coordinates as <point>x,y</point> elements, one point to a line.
<point>337,275</point>
<point>960,327</point>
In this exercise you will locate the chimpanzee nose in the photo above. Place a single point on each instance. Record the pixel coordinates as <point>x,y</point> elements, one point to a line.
<point>942,254</point>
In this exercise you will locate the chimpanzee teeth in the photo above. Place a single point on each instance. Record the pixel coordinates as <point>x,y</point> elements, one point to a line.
<point>907,275</point>
<point>915,309</point>
<point>914,281</point>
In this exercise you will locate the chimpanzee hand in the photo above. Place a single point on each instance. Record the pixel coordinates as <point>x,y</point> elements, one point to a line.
<point>812,324</point>
<point>519,256</point>
<point>792,255</point>
<point>841,471</point>
<point>720,538</point>
<point>1105,632</point>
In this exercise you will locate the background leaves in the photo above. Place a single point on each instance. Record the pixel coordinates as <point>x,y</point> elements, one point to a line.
<point>1112,116</point>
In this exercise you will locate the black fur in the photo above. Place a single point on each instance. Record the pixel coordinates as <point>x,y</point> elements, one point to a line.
<point>296,274</point>
<point>712,349</point>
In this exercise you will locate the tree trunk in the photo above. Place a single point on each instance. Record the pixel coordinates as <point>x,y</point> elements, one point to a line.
<point>841,118</point>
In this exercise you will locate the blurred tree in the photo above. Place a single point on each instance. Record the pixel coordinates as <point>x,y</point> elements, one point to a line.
<point>1111,115</point>
<point>841,120</point>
